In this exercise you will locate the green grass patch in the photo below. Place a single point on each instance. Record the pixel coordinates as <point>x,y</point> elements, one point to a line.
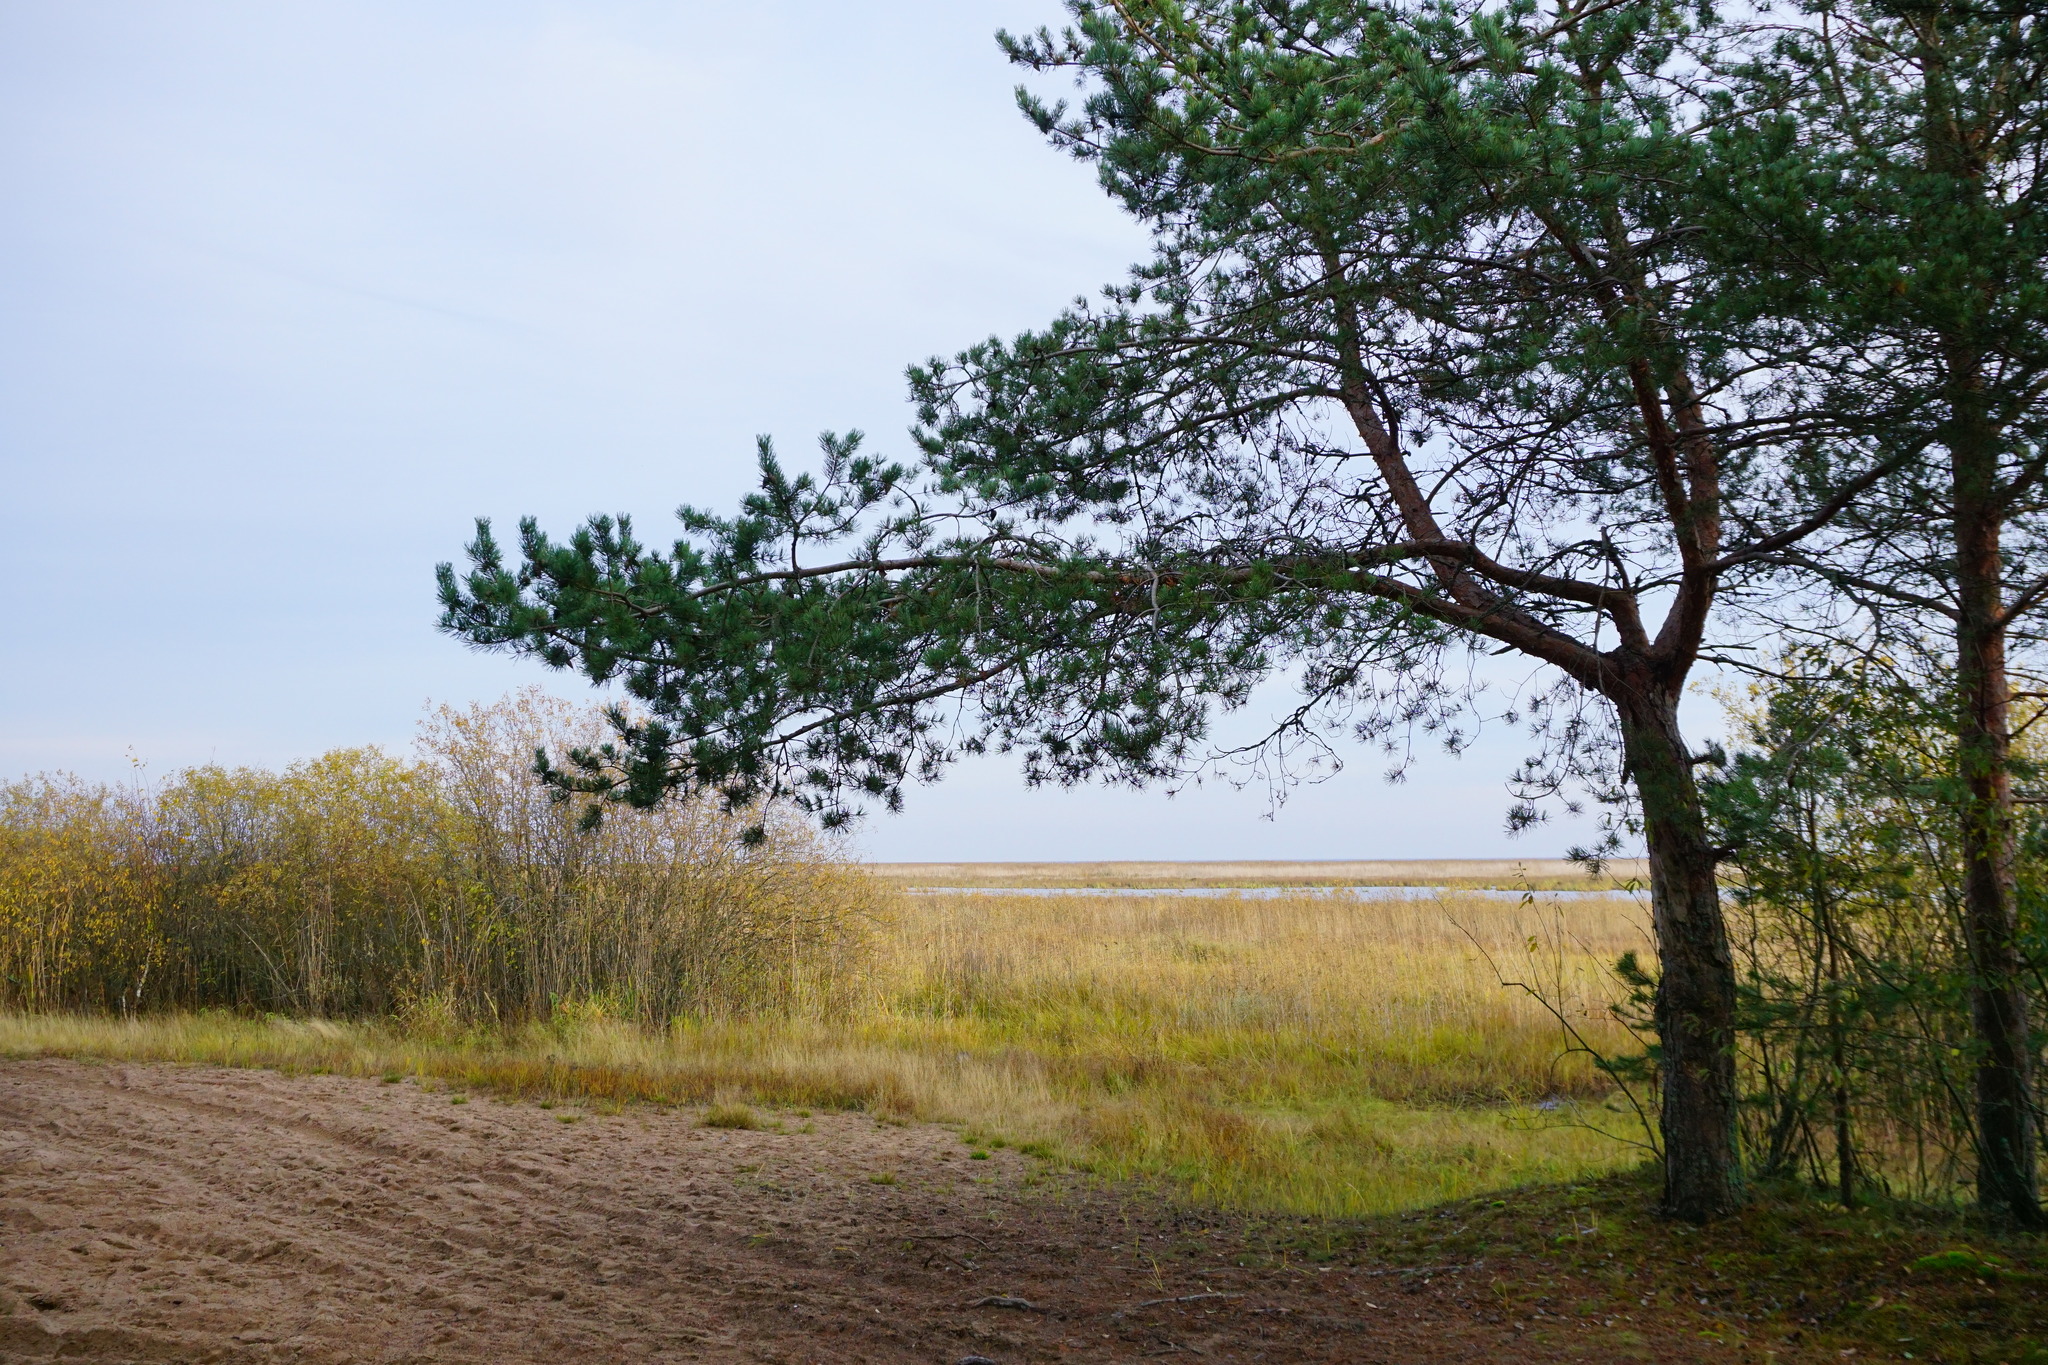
<point>1792,1275</point>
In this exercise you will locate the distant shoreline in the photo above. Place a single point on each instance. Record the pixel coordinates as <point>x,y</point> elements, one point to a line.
<point>1536,874</point>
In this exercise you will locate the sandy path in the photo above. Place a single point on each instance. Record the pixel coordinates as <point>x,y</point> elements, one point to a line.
<point>152,1213</point>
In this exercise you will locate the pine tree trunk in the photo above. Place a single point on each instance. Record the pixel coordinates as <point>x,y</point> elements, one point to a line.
<point>1695,1008</point>
<point>2007,1182</point>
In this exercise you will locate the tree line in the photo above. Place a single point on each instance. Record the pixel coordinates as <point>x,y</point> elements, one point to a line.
<point>1621,337</point>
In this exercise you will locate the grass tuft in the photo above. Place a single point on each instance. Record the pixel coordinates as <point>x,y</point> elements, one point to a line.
<point>731,1116</point>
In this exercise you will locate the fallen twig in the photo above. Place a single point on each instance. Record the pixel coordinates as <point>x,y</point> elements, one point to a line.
<point>1425,1269</point>
<point>1006,1301</point>
<point>1184,1298</point>
<point>1117,1315</point>
<point>948,1237</point>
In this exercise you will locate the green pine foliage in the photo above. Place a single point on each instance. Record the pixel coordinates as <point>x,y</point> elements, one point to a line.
<point>1405,372</point>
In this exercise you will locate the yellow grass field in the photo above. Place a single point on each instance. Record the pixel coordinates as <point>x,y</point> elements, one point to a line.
<point>1313,1054</point>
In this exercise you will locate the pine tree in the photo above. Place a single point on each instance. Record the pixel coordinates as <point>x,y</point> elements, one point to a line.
<point>1888,246</point>
<point>1423,364</point>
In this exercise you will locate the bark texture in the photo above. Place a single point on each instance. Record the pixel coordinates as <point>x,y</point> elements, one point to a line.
<point>1695,1005</point>
<point>2007,1178</point>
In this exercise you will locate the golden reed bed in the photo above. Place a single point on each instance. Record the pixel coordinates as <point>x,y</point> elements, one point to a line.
<point>1312,1054</point>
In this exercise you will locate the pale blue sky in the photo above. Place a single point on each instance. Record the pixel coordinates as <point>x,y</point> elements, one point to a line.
<point>290,292</point>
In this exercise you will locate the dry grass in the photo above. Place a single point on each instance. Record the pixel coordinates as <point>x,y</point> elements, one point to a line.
<point>1311,1054</point>
<point>1402,998</point>
<point>1509,874</point>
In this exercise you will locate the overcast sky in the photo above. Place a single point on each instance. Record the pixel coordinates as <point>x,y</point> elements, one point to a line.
<point>289,293</point>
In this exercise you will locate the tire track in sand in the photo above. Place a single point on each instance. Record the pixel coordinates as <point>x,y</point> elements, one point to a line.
<point>168,1213</point>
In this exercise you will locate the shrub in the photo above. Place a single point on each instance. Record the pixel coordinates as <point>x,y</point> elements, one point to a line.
<point>448,889</point>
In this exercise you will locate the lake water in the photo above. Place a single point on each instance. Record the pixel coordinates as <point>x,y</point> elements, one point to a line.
<point>1377,893</point>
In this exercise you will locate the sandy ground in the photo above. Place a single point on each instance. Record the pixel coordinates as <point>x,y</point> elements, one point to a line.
<point>155,1213</point>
